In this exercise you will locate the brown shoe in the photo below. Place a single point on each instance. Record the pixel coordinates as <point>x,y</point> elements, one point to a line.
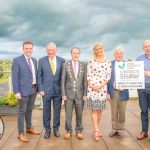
<point>32,131</point>
<point>142,135</point>
<point>67,136</point>
<point>23,138</point>
<point>79,136</point>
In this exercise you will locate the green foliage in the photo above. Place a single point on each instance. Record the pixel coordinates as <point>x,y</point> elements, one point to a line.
<point>2,100</point>
<point>11,99</point>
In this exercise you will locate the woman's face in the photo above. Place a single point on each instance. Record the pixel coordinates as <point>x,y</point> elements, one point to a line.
<point>99,51</point>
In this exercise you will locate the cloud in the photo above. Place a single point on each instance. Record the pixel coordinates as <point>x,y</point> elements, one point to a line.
<point>72,23</point>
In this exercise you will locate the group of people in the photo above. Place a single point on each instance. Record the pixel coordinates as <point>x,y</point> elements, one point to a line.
<point>74,83</point>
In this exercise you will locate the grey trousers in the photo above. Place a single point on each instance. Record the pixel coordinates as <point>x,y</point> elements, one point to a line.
<point>79,104</point>
<point>25,108</point>
<point>118,109</point>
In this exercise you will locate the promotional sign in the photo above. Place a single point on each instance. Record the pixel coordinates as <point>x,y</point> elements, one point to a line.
<point>129,75</point>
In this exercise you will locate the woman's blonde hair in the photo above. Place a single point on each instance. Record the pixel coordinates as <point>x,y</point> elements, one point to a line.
<point>94,47</point>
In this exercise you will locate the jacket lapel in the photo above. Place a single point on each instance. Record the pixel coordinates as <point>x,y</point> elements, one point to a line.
<point>24,59</point>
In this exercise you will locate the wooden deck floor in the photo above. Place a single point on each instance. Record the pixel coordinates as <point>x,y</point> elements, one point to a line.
<point>128,142</point>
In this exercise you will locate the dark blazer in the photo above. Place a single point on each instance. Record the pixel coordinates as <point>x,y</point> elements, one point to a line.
<point>47,82</point>
<point>74,87</point>
<point>22,75</point>
<point>124,95</point>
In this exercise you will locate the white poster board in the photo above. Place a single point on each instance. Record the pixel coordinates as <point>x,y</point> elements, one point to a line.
<point>129,75</point>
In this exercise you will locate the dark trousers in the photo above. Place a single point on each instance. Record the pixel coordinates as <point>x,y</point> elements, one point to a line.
<point>144,102</point>
<point>25,108</point>
<point>47,100</point>
<point>78,111</point>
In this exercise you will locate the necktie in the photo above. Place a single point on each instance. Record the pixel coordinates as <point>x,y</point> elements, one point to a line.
<point>29,63</point>
<point>52,66</point>
<point>75,68</point>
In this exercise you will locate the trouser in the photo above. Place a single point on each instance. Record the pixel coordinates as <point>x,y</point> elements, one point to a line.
<point>47,112</point>
<point>25,108</point>
<point>118,109</point>
<point>144,102</point>
<point>78,111</point>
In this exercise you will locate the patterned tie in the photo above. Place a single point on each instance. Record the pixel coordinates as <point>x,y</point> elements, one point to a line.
<point>52,66</point>
<point>75,68</point>
<point>29,63</point>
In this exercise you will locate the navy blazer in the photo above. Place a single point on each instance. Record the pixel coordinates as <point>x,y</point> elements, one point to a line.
<point>22,75</point>
<point>47,82</point>
<point>124,95</point>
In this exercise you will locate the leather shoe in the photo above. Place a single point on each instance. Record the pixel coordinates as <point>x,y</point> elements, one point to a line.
<point>23,138</point>
<point>79,136</point>
<point>67,136</point>
<point>142,135</point>
<point>46,135</point>
<point>32,131</point>
<point>56,133</point>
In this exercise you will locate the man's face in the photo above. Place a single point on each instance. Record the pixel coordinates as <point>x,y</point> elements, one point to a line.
<point>51,51</point>
<point>75,54</point>
<point>146,47</point>
<point>118,55</point>
<point>28,49</point>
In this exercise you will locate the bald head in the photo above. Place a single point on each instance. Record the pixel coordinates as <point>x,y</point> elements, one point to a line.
<point>118,53</point>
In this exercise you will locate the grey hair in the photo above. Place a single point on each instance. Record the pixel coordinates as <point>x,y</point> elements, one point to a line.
<point>118,48</point>
<point>51,43</point>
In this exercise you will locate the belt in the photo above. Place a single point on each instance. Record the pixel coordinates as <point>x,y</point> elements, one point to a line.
<point>33,85</point>
<point>116,89</point>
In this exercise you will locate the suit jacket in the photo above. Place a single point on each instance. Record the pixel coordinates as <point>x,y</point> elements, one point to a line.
<point>48,82</point>
<point>74,87</point>
<point>22,75</point>
<point>124,95</point>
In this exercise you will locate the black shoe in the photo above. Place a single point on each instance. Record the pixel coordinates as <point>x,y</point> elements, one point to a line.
<point>56,133</point>
<point>47,135</point>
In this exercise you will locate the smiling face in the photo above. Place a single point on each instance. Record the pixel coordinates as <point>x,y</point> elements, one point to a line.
<point>75,54</point>
<point>146,47</point>
<point>28,50</point>
<point>51,50</point>
<point>118,54</point>
<point>98,51</point>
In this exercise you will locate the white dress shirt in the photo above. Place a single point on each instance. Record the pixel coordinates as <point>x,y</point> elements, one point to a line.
<point>33,69</point>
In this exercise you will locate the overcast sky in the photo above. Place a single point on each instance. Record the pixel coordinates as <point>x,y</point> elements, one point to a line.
<point>74,23</point>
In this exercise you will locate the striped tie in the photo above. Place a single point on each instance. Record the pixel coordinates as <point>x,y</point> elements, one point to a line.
<point>52,66</point>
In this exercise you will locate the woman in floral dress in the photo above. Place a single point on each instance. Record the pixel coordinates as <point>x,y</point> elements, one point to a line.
<point>98,75</point>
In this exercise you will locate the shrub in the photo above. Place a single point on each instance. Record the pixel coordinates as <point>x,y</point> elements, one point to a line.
<point>2,100</point>
<point>11,99</point>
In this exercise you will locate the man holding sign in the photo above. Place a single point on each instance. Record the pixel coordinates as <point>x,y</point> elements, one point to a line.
<point>118,99</point>
<point>144,94</point>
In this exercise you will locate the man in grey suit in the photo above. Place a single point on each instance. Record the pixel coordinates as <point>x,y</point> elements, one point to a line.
<point>24,70</point>
<point>49,83</point>
<point>74,91</point>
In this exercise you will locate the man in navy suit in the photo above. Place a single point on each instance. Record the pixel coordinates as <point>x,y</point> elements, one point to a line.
<point>49,87</point>
<point>24,70</point>
<point>118,99</point>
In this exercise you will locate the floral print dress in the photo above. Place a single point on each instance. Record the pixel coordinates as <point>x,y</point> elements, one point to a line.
<point>98,72</point>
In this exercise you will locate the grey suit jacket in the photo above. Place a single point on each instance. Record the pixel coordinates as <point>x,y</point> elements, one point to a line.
<point>74,87</point>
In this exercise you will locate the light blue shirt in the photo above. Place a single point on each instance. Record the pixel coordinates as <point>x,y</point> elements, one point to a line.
<point>146,65</point>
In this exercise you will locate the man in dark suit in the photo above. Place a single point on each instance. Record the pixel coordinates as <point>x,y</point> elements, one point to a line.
<point>74,91</point>
<point>118,99</point>
<point>24,70</point>
<point>49,87</point>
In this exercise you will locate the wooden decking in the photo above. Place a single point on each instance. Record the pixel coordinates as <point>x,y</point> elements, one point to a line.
<point>128,142</point>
